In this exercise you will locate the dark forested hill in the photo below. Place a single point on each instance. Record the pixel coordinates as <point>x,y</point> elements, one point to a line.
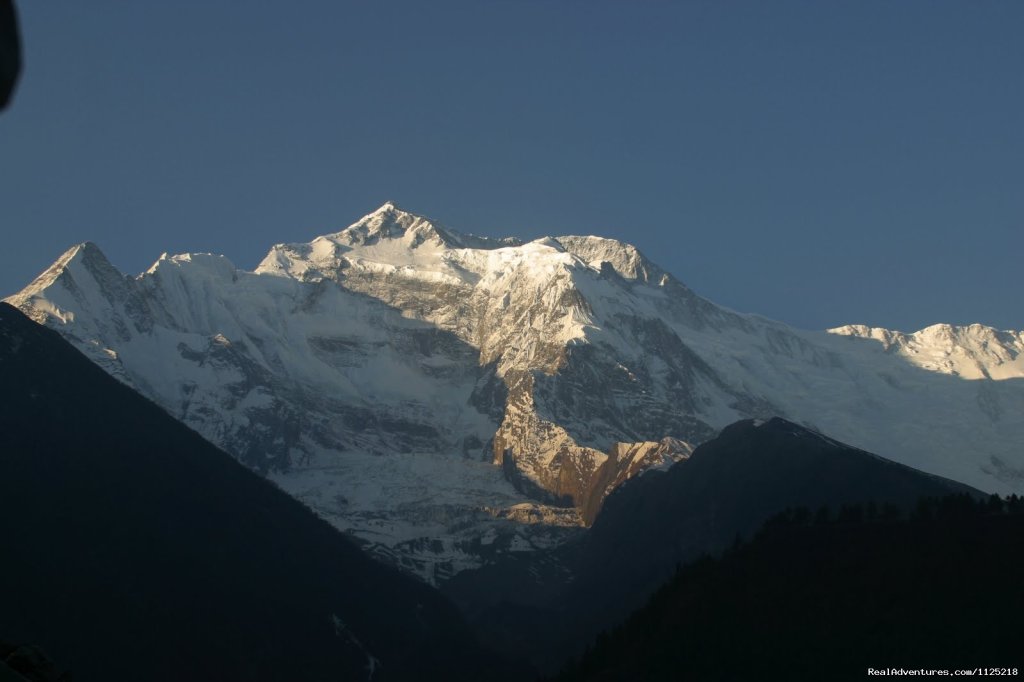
<point>132,549</point>
<point>550,605</point>
<point>816,599</point>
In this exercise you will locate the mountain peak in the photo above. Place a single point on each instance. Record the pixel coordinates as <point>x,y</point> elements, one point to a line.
<point>85,247</point>
<point>776,425</point>
<point>390,222</point>
<point>85,255</point>
<point>624,258</point>
<point>389,207</point>
<point>83,251</point>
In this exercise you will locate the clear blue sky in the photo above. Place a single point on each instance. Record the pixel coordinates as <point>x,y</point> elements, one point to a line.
<point>816,162</point>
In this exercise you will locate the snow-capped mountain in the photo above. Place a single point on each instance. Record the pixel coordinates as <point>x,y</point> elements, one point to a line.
<point>445,396</point>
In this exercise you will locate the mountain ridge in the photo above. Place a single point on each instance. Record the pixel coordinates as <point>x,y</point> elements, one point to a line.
<point>514,373</point>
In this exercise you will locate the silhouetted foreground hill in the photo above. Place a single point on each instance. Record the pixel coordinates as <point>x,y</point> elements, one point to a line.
<point>549,605</point>
<point>807,600</point>
<point>132,549</point>
<point>27,663</point>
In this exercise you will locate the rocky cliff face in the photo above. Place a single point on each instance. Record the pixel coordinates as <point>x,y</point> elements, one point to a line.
<point>430,390</point>
<point>520,307</point>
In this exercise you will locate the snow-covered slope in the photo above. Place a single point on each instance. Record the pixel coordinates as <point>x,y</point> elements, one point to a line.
<point>425,388</point>
<point>972,352</point>
<point>373,419</point>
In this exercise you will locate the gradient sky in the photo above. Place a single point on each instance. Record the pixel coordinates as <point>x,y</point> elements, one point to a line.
<point>819,163</point>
